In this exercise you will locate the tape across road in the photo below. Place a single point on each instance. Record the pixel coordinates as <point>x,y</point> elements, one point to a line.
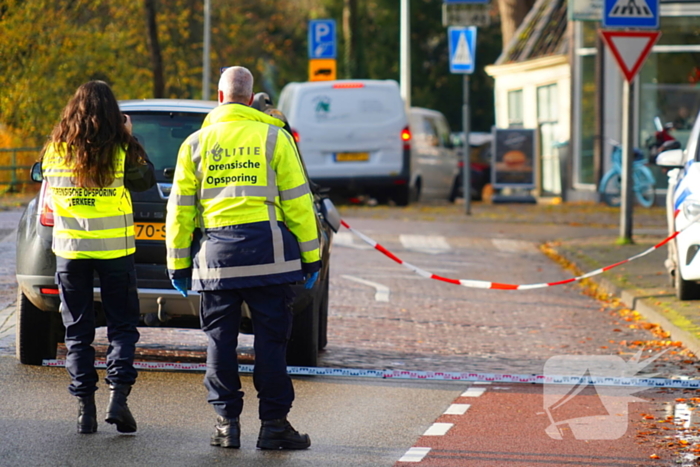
<point>427,375</point>
<point>444,375</point>
<point>477,284</point>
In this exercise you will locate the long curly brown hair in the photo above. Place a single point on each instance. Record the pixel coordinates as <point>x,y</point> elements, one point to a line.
<point>93,128</point>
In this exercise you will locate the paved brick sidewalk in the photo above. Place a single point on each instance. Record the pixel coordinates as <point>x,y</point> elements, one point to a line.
<point>643,284</point>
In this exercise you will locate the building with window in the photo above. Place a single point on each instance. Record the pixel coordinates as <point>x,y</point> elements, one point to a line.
<point>533,86</point>
<point>557,77</point>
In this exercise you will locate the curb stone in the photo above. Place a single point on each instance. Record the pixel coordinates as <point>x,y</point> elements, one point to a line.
<point>652,313</point>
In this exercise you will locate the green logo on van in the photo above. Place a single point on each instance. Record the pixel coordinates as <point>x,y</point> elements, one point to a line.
<point>322,106</point>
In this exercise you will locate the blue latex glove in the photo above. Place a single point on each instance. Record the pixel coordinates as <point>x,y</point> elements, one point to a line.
<point>311,280</point>
<point>181,285</point>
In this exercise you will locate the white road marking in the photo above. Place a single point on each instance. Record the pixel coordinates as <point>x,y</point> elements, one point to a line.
<point>347,239</point>
<point>415,455</point>
<point>473,392</point>
<point>398,267</point>
<point>457,409</point>
<point>438,429</point>
<point>431,244</point>
<point>382,291</point>
<point>512,246</point>
<point>482,382</point>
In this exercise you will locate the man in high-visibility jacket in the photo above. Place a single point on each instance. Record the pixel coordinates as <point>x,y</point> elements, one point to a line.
<point>241,227</point>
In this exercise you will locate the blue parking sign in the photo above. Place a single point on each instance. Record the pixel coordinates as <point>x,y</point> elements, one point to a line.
<point>631,14</point>
<point>322,38</point>
<point>462,41</point>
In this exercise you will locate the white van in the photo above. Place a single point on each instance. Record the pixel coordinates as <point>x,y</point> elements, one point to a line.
<point>353,135</point>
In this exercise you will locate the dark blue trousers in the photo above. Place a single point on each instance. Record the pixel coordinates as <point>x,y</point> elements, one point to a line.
<point>271,312</point>
<point>121,308</point>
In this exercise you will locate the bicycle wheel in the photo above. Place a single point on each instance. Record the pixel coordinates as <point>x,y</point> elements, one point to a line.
<point>611,189</point>
<point>644,186</point>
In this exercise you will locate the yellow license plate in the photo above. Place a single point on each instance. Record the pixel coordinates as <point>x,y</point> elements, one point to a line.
<point>351,156</point>
<point>149,230</point>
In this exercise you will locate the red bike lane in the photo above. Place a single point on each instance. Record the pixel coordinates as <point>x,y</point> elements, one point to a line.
<point>505,425</point>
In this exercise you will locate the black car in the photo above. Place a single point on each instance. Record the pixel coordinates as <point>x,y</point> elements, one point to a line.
<point>480,166</point>
<point>161,125</point>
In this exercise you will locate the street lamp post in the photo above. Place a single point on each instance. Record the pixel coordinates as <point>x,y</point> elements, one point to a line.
<point>405,54</point>
<point>207,45</point>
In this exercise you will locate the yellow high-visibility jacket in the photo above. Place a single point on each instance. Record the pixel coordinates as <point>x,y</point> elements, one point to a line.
<point>96,223</point>
<point>240,213</point>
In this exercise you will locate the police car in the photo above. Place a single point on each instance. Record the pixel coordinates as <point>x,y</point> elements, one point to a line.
<point>161,125</point>
<point>683,212</point>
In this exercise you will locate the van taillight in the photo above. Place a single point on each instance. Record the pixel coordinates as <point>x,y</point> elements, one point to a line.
<point>348,85</point>
<point>295,134</point>
<point>46,213</point>
<point>406,138</point>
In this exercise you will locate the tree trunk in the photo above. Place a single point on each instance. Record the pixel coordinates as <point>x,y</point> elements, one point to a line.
<point>154,48</point>
<point>350,38</point>
<point>512,14</point>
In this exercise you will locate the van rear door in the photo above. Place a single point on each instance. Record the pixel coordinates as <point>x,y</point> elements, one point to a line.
<point>349,129</point>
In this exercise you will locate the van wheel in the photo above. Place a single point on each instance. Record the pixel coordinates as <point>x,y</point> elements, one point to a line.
<point>302,349</point>
<point>405,194</point>
<point>37,332</point>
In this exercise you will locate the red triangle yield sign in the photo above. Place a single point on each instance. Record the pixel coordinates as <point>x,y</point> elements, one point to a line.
<point>630,49</point>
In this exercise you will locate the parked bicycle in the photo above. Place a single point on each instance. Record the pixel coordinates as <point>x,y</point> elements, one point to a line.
<point>643,179</point>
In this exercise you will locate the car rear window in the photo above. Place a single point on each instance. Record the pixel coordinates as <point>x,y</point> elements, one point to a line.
<point>351,106</point>
<point>162,133</point>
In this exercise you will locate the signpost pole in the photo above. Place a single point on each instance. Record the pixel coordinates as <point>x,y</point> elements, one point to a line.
<point>627,160</point>
<point>466,168</point>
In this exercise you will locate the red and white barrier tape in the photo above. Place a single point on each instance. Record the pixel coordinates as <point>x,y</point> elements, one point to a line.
<point>497,285</point>
<point>427,375</point>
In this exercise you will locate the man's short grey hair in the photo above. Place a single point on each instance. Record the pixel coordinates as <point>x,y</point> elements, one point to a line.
<point>236,83</point>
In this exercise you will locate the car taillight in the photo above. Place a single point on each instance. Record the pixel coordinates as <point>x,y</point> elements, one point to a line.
<point>295,135</point>
<point>45,212</point>
<point>49,290</point>
<point>406,138</point>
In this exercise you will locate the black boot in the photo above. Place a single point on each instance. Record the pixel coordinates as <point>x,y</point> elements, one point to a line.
<point>227,434</point>
<point>117,411</point>
<point>279,434</point>
<point>87,414</point>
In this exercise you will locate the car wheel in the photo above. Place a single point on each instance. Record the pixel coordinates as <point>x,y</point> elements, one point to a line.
<point>302,349</point>
<point>685,290</point>
<point>454,192</point>
<point>37,332</point>
<point>406,194</point>
<point>323,316</point>
<point>402,195</point>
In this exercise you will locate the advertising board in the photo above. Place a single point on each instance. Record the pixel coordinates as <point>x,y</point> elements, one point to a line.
<point>513,163</point>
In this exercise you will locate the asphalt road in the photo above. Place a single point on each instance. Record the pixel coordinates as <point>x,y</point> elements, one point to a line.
<point>351,422</point>
<point>382,316</point>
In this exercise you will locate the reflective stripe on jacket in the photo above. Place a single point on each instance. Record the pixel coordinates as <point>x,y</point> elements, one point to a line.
<point>95,223</point>
<point>239,180</point>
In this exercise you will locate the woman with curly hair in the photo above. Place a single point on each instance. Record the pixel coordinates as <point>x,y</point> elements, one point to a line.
<point>91,162</point>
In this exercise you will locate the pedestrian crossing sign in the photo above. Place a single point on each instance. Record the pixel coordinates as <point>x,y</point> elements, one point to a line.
<point>462,43</point>
<point>631,14</point>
